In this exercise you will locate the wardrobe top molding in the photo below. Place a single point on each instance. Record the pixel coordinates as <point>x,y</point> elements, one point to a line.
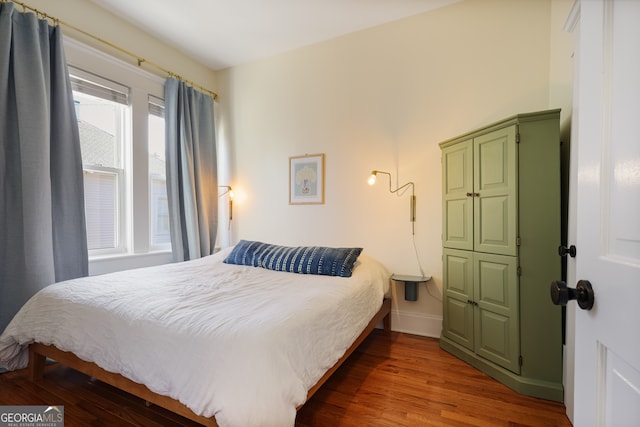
<point>518,118</point>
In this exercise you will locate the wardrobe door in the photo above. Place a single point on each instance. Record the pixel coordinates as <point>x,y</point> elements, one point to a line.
<point>458,295</point>
<point>457,205</point>
<point>497,312</point>
<point>495,189</point>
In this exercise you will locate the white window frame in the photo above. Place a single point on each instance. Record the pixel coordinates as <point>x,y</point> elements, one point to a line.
<point>138,251</point>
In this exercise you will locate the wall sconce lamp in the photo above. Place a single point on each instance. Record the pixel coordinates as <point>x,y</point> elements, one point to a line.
<point>412,201</point>
<point>229,191</point>
<point>410,282</point>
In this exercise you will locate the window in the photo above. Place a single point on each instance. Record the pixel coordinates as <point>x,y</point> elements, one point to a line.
<point>121,121</point>
<point>159,208</point>
<point>102,113</point>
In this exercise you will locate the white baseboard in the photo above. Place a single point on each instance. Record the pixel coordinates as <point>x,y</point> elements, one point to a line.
<point>416,323</point>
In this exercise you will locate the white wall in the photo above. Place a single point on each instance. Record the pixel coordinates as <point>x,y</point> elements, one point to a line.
<point>382,99</point>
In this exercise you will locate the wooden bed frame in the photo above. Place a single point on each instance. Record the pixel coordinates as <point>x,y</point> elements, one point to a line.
<point>39,352</point>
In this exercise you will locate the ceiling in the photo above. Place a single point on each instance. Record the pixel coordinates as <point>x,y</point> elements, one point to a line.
<point>224,33</point>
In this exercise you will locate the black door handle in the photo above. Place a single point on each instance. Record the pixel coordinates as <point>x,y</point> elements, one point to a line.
<point>583,294</point>
<point>571,251</point>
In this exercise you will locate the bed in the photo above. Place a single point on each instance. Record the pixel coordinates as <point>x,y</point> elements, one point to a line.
<point>220,343</point>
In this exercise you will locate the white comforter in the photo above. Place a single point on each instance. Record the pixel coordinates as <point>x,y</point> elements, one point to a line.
<point>243,344</point>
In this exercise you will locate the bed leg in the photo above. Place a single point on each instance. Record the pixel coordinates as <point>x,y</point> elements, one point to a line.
<point>386,320</point>
<point>36,365</point>
<point>386,323</point>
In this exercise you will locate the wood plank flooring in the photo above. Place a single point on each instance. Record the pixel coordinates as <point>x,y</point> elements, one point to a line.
<point>392,379</point>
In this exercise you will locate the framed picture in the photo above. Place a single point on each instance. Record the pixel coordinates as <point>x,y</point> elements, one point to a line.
<point>306,179</point>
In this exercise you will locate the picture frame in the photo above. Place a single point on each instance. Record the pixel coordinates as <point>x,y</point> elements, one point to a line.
<point>306,179</point>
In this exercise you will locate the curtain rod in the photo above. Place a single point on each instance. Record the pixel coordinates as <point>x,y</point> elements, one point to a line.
<point>140,60</point>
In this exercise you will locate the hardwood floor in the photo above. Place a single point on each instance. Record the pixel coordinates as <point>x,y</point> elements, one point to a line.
<point>396,379</point>
<point>392,379</point>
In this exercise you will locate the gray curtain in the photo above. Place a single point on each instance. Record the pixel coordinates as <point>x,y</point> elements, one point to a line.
<point>42,222</point>
<point>191,162</point>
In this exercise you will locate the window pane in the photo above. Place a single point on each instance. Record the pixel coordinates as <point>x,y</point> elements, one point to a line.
<point>100,204</point>
<point>159,210</point>
<point>100,125</point>
<point>160,213</point>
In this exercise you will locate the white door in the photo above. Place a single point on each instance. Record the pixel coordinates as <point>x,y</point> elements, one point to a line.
<point>605,197</point>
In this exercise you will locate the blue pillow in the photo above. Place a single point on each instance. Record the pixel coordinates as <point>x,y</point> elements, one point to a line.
<point>301,259</point>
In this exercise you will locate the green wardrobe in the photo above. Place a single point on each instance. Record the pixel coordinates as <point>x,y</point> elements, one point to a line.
<point>500,236</point>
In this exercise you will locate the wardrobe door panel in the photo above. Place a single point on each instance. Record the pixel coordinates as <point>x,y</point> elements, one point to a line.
<point>495,190</point>
<point>497,316</point>
<point>458,293</point>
